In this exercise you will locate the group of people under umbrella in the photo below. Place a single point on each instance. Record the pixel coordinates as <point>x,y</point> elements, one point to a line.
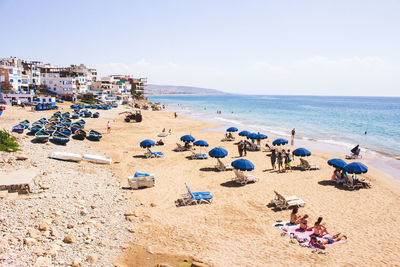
<point>340,176</point>
<point>342,169</point>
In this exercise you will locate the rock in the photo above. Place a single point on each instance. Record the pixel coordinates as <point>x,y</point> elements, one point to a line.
<point>131,230</point>
<point>57,214</point>
<point>70,226</point>
<point>92,258</point>
<point>9,150</point>
<point>43,262</point>
<point>150,250</point>
<point>69,238</point>
<point>39,251</point>
<point>29,241</point>
<point>130,218</point>
<point>21,157</point>
<point>53,250</point>
<point>33,234</point>
<point>43,226</point>
<point>83,213</point>
<point>153,205</point>
<point>77,262</point>
<point>164,265</point>
<point>93,207</point>
<point>54,232</point>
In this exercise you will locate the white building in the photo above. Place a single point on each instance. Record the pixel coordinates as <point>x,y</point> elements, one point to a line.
<point>58,81</point>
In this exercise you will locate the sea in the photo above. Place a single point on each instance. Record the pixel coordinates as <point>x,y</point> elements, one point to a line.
<point>335,123</point>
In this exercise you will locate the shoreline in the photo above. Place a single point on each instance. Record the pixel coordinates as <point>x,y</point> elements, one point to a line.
<point>390,164</point>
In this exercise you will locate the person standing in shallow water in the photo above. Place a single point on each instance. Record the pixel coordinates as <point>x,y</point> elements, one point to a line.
<point>292,139</point>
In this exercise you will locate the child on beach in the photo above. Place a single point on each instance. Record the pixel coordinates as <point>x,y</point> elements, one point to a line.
<point>108,127</point>
<point>289,160</point>
<point>280,161</point>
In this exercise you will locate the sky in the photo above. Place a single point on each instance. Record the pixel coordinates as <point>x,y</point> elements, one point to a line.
<point>252,47</point>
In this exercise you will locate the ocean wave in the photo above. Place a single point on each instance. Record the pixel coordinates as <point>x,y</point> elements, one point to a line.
<point>237,122</point>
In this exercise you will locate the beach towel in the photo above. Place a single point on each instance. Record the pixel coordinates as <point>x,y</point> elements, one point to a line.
<point>303,237</point>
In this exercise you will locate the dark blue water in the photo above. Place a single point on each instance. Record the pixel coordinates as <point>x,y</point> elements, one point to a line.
<point>331,119</point>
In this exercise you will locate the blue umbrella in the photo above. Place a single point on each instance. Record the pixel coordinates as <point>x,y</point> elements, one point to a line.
<point>337,163</point>
<point>200,143</point>
<point>146,143</point>
<point>243,165</point>
<point>232,129</point>
<point>301,152</point>
<point>356,167</point>
<point>280,141</point>
<point>244,133</point>
<point>218,152</point>
<point>187,138</point>
<point>257,136</point>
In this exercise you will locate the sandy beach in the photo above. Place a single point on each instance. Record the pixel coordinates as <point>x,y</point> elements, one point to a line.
<point>235,230</point>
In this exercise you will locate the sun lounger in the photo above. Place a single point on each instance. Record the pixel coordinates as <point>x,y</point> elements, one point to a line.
<point>223,167</point>
<point>198,155</point>
<point>180,148</point>
<point>228,139</point>
<point>195,197</point>
<point>243,179</point>
<point>282,202</point>
<point>304,165</point>
<point>150,154</point>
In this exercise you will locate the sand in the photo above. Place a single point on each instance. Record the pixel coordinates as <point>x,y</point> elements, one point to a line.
<point>236,229</point>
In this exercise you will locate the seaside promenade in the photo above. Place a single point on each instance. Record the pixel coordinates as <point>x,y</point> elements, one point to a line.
<point>235,230</point>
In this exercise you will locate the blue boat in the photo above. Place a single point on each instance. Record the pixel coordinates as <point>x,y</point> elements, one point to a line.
<point>41,137</point>
<point>66,115</point>
<point>88,106</point>
<point>94,136</point>
<point>66,122</point>
<point>1,111</point>
<point>76,126</point>
<point>81,122</point>
<point>50,129</point>
<point>65,131</point>
<point>79,134</point>
<point>75,116</point>
<point>18,128</point>
<point>96,115</point>
<point>73,106</point>
<point>24,123</point>
<point>35,128</point>
<point>87,114</point>
<point>57,114</point>
<point>60,138</point>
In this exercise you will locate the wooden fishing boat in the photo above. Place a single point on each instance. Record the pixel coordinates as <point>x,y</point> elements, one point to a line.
<point>79,134</point>
<point>76,126</point>
<point>94,135</point>
<point>65,131</point>
<point>60,138</point>
<point>50,129</point>
<point>81,122</point>
<point>25,123</point>
<point>35,128</point>
<point>87,114</point>
<point>66,115</point>
<point>42,137</point>
<point>19,128</point>
<point>57,114</point>
<point>88,106</point>
<point>54,118</point>
<point>75,116</point>
<point>96,115</point>
<point>66,121</point>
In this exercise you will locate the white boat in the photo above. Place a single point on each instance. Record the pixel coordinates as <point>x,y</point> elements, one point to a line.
<point>65,156</point>
<point>97,159</point>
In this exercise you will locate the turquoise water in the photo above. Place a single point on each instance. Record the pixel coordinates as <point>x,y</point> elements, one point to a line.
<point>334,120</point>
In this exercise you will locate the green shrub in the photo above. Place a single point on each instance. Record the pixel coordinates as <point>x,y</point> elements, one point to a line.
<point>7,142</point>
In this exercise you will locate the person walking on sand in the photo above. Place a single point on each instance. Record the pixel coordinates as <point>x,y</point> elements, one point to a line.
<point>245,148</point>
<point>292,139</point>
<point>240,148</point>
<point>280,161</point>
<point>176,115</point>
<point>273,159</point>
<point>108,127</point>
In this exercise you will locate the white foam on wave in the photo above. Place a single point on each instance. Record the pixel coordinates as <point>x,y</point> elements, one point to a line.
<point>237,122</point>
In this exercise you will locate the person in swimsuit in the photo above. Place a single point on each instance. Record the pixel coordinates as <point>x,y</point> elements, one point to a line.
<point>294,216</point>
<point>280,161</point>
<point>303,223</point>
<point>333,239</point>
<point>319,229</point>
<point>273,159</point>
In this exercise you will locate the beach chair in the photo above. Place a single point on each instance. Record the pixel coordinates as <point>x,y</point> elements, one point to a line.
<point>304,165</point>
<point>227,139</point>
<point>196,197</point>
<point>222,167</point>
<point>198,155</point>
<point>243,179</point>
<point>282,202</point>
<point>150,154</point>
<point>252,147</point>
<point>180,148</point>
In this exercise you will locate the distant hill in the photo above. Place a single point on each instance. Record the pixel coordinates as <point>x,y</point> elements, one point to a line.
<point>155,89</point>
